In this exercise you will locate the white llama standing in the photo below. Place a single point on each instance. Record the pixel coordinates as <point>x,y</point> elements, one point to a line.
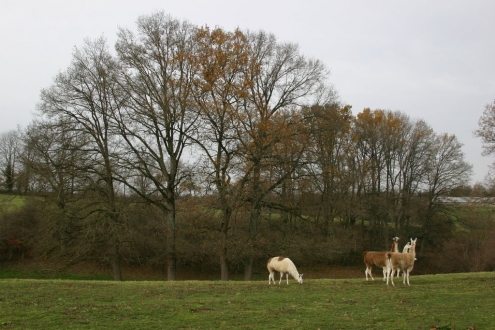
<point>406,249</point>
<point>283,266</point>
<point>401,261</point>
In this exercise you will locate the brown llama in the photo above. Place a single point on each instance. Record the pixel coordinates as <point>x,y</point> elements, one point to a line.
<point>378,259</point>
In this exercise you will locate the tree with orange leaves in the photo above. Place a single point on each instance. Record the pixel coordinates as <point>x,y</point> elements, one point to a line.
<point>221,88</point>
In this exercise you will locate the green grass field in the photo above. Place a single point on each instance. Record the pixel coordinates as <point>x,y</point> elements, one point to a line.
<point>10,203</point>
<point>455,301</point>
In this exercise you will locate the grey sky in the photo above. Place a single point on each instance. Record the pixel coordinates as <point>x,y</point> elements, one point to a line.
<point>433,60</point>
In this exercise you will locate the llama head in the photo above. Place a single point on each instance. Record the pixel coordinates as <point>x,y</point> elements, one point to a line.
<point>413,243</point>
<point>396,239</point>
<point>300,280</point>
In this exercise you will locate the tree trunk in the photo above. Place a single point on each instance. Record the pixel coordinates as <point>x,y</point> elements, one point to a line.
<point>224,268</point>
<point>253,221</point>
<point>171,248</point>
<point>171,266</point>
<point>117,272</point>
<point>248,269</point>
<point>253,230</point>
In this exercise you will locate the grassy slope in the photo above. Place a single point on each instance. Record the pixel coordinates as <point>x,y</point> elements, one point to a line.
<point>11,202</point>
<point>455,301</point>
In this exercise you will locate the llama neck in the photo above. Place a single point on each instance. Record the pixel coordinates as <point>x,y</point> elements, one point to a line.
<point>294,273</point>
<point>413,249</point>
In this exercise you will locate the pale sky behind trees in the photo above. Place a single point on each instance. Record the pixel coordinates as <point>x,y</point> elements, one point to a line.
<point>433,60</point>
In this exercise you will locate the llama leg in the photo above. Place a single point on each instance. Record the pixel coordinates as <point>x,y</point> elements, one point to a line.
<point>281,275</point>
<point>391,276</point>
<point>407,277</point>
<point>287,277</point>
<point>368,271</point>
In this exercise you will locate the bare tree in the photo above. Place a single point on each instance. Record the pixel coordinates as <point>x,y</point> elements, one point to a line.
<point>10,149</point>
<point>327,163</point>
<point>486,130</point>
<point>369,133</point>
<point>446,168</point>
<point>282,80</point>
<point>413,157</point>
<point>85,96</point>
<point>160,115</point>
<point>54,155</point>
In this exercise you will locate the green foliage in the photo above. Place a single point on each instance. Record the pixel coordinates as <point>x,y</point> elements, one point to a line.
<point>461,301</point>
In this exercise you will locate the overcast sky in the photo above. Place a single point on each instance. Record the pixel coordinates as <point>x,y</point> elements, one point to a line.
<point>431,59</point>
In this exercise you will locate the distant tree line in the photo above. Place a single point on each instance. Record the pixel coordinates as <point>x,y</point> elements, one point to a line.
<point>197,146</point>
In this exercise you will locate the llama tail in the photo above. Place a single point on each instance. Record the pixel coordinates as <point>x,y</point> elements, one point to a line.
<point>388,262</point>
<point>388,257</point>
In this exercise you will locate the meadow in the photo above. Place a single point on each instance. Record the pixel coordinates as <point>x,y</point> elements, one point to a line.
<point>447,301</point>
<point>10,203</point>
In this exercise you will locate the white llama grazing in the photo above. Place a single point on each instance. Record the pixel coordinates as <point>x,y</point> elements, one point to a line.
<point>401,261</point>
<point>378,259</point>
<point>283,266</point>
